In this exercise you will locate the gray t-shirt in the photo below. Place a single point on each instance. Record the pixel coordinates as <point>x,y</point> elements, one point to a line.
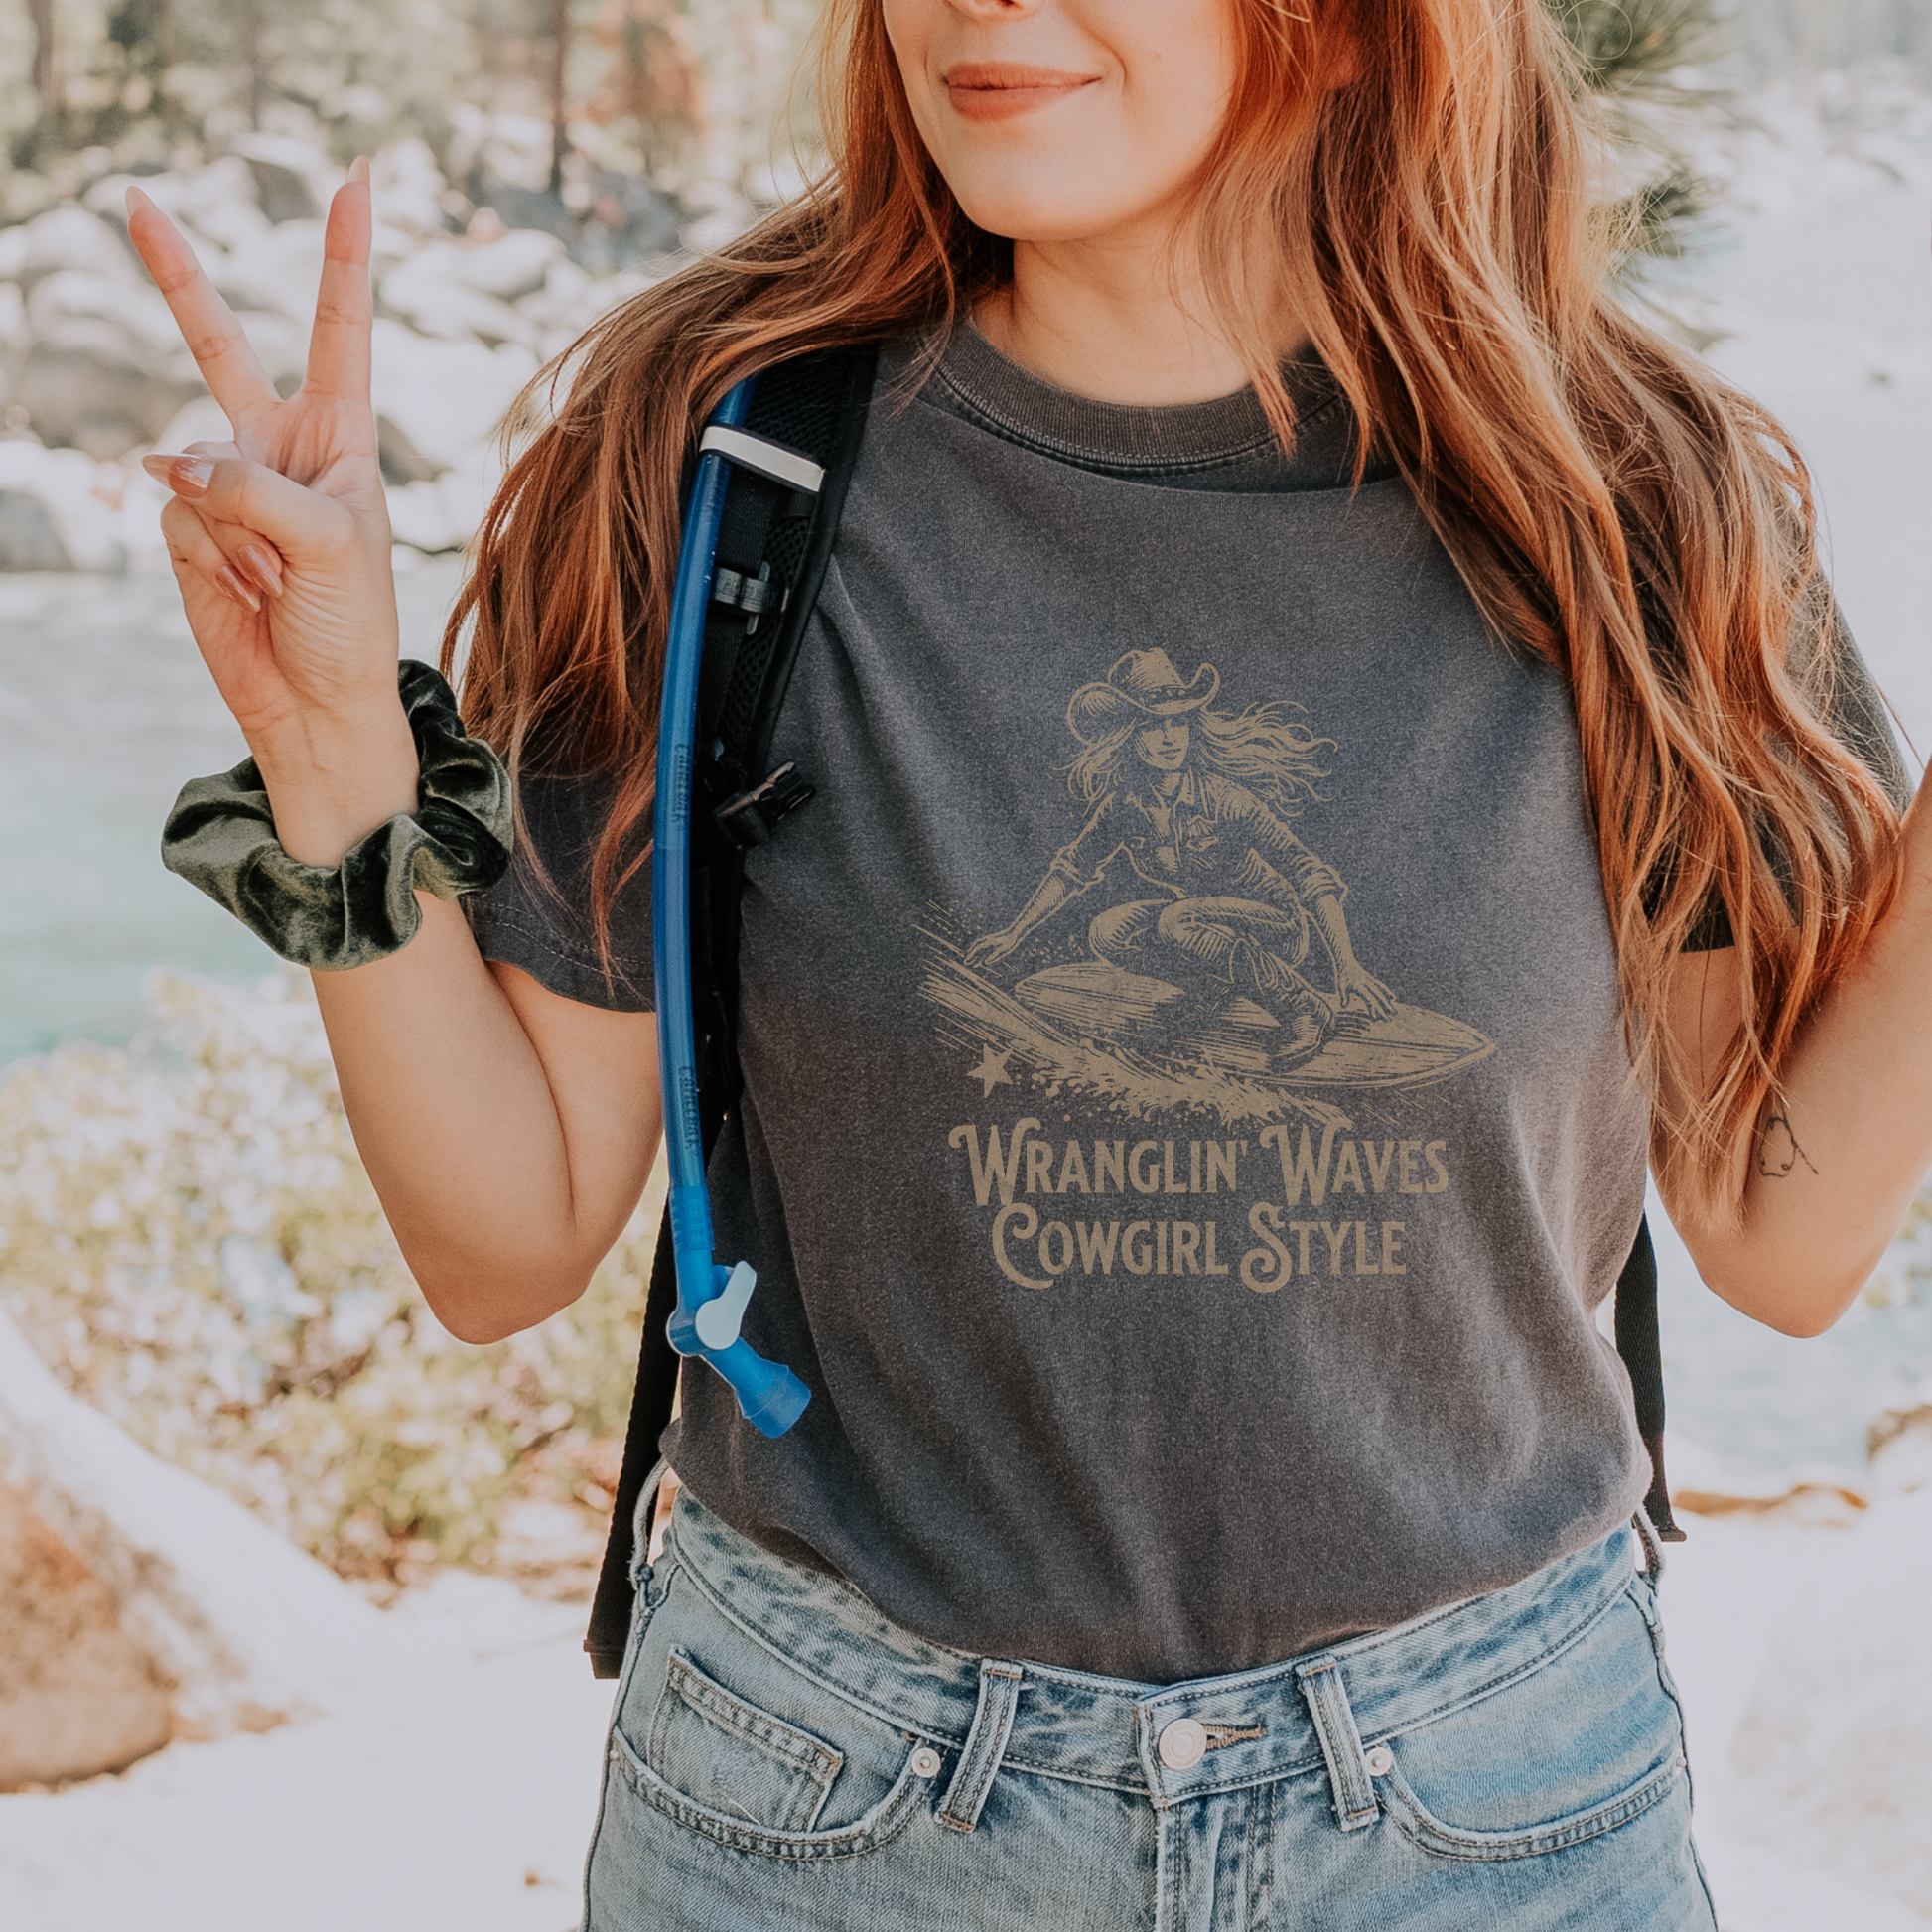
<point>1188,1127</point>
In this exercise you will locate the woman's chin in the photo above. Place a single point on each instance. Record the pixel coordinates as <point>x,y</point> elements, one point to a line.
<point>1029,211</point>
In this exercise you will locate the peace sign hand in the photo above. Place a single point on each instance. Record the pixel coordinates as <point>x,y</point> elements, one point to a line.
<point>280,542</point>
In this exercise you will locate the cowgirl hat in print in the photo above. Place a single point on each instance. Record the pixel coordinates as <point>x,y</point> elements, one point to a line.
<point>1143,684</point>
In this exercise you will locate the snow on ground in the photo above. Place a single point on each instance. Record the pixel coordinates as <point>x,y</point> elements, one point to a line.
<point>460,1795</point>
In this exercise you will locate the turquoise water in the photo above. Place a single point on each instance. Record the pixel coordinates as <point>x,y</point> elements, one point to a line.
<point>104,710</point>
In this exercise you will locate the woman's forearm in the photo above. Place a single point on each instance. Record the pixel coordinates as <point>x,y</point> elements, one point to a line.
<point>1839,1153</point>
<point>508,1132</point>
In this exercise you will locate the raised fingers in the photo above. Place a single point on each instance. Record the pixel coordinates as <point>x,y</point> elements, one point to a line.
<point>338,343</point>
<point>213,337</point>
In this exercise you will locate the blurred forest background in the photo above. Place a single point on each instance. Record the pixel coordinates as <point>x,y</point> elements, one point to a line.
<point>528,105</point>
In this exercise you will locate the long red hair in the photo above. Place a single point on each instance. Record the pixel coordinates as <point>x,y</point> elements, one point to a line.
<point>1615,508</point>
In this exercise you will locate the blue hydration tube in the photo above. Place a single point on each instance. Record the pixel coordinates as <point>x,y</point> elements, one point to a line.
<point>711,1299</point>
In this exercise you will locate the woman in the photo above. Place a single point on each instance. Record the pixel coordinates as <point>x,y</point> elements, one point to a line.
<point>1108,1592</point>
<point>1238,885</point>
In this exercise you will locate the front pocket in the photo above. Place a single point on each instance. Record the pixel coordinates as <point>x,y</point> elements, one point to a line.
<point>902,1803</point>
<point>731,1757</point>
<point>1578,1745</point>
<point>1431,1833</point>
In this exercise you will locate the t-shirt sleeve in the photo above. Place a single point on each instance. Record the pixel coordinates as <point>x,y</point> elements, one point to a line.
<point>1858,720</point>
<point>538,917</point>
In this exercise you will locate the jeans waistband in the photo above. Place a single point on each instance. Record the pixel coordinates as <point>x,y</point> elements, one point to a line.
<point>1324,1712</point>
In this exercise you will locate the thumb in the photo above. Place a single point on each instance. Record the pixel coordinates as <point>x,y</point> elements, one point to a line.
<point>303,525</point>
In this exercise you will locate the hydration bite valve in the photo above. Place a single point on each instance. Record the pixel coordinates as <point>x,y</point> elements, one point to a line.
<point>769,1397</point>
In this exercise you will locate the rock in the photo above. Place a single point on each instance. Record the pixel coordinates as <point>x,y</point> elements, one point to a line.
<point>444,514</point>
<point>1830,1756</point>
<point>15,335</point>
<point>513,265</point>
<point>137,309</point>
<point>70,238</point>
<point>30,540</point>
<point>447,398</point>
<point>95,388</point>
<point>1901,1443</point>
<point>214,205</point>
<point>279,271</point>
<point>429,292</point>
<point>630,220</point>
<point>77,1694</point>
<point>249,1630</point>
<point>402,461</point>
<point>86,502</point>
<point>201,421</point>
<point>1813,1496</point>
<point>293,181</point>
<point>408,187</point>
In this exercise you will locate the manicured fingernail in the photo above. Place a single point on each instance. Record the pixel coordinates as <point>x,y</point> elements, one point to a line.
<point>358,170</point>
<point>263,567</point>
<point>231,581</point>
<point>136,200</point>
<point>186,476</point>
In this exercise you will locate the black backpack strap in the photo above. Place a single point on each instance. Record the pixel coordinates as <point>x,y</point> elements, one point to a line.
<point>817,405</point>
<point>1641,1346</point>
<point>773,548</point>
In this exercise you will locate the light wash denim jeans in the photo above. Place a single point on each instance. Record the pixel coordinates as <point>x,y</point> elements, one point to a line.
<point>783,1759</point>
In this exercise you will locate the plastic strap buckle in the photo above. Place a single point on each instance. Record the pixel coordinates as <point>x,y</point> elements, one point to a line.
<point>750,818</point>
<point>756,595</point>
<point>764,457</point>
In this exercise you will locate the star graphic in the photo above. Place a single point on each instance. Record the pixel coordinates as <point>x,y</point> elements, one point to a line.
<point>991,1070</point>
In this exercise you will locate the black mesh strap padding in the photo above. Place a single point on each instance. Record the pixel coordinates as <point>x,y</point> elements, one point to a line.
<point>652,1402</point>
<point>1640,1344</point>
<point>817,406</point>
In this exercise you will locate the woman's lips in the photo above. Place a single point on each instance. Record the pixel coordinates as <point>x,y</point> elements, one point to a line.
<point>997,90</point>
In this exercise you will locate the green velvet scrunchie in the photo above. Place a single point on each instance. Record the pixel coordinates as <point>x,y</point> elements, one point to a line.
<point>220,837</point>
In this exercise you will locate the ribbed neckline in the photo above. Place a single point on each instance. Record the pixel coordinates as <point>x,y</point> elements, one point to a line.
<point>1126,438</point>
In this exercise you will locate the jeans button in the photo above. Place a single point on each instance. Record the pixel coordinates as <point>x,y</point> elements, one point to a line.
<point>925,1762</point>
<point>1183,1745</point>
<point>1379,1763</point>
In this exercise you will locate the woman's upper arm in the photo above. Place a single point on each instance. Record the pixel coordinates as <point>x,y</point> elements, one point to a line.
<point>602,1071</point>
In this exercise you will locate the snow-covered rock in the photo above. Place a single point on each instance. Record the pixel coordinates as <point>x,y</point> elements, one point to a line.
<point>30,540</point>
<point>77,1694</point>
<point>249,1631</point>
<point>93,366</point>
<point>447,398</point>
<point>1902,1450</point>
<point>68,237</point>
<point>82,501</point>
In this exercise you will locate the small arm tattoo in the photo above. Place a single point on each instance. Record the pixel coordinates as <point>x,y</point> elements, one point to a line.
<point>1778,1151</point>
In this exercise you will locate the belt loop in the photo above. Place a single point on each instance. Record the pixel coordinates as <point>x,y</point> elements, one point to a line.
<point>641,1523</point>
<point>1341,1743</point>
<point>986,1746</point>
